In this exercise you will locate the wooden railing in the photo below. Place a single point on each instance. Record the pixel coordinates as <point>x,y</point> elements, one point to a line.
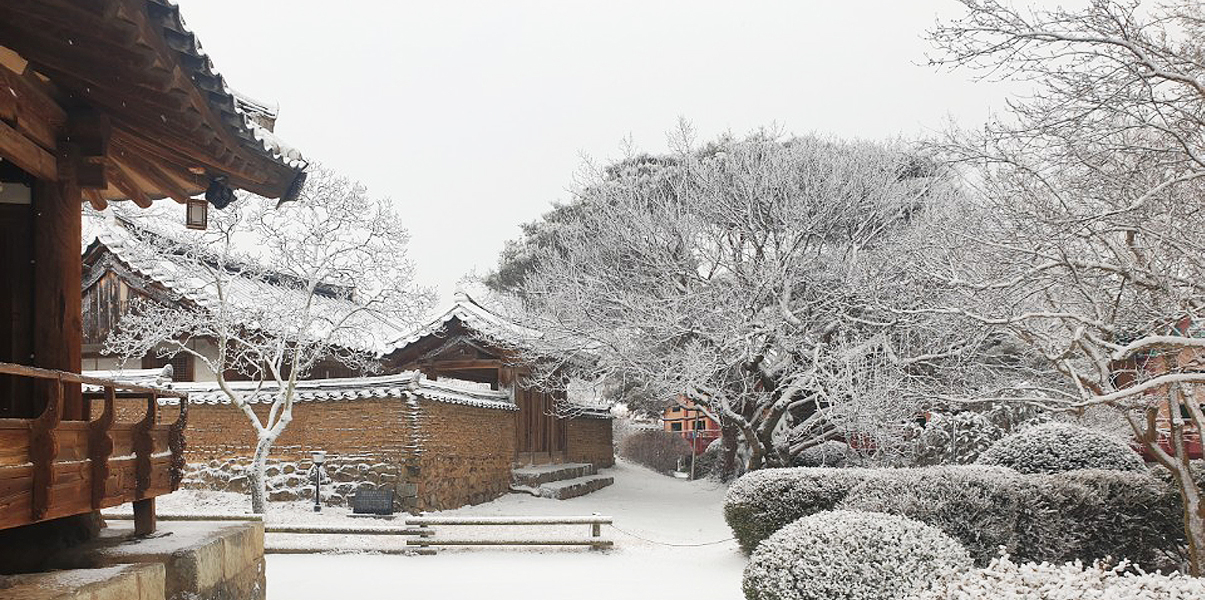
<point>52,468</point>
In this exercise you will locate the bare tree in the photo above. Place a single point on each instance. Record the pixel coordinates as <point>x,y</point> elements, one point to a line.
<point>740,274</point>
<point>1086,238</point>
<point>277,289</point>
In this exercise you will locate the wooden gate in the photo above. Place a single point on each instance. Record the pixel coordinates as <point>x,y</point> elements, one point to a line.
<point>539,434</point>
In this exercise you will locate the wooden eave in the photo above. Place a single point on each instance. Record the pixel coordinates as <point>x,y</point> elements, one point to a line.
<point>144,113</point>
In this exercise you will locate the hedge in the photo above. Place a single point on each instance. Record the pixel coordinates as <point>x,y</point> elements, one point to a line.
<point>764,501</point>
<point>1081,515</point>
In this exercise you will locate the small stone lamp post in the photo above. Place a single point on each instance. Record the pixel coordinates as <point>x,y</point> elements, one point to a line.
<point>316,472</point>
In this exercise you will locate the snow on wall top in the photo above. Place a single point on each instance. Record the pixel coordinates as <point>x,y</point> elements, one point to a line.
<point>405,385</point>
<point>475,317</point>
<point>372,335</point>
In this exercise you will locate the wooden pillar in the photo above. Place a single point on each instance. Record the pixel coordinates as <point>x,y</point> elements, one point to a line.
<point>144,516</point>
<point>58,320</point>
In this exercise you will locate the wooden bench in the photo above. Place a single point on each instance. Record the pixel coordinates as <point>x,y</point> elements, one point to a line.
<point>595,541</point>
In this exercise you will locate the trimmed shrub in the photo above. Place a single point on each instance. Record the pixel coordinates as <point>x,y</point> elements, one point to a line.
<point>1057,447</point>
<point>1043,581</point>
<point>978,506</point>
<point>764,501</point>
<point>1092,514</point>
<point>1079,515</point>
<point>657,450</point>
<point>853,556</point>
<point>827,454</point>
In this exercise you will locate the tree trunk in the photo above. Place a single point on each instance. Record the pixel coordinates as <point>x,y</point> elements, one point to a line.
<point>729,433</point>
<point>1194,519</point>
<point>259,493</point>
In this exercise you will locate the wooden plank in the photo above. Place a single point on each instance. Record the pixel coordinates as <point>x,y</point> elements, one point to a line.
<point>516,542</point>
<point>30,157</point>
<point>583,520</point>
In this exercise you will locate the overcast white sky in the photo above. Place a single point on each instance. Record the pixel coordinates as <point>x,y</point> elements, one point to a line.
<point>474,116</point>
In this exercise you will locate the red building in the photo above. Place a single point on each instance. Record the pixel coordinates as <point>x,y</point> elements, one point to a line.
<point>692,423</point>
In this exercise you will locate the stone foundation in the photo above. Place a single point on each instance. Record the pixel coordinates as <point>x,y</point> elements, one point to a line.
<point>193,560</point>
<point>287,480</point>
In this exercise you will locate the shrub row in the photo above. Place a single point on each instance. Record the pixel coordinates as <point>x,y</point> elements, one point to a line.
<point>657,450</point>
<point>1085,515</point>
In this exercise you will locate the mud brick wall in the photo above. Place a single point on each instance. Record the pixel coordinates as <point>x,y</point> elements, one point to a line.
<point>466,455</point>
<point>591,441</point>
<point>452,454</point>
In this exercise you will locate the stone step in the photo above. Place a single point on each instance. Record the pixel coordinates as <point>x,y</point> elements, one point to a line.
<point>572,488</point>
<point>535,476</point>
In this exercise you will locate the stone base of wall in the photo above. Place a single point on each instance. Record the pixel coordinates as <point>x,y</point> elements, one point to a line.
<point>185,560</point>
<point>288,480</point>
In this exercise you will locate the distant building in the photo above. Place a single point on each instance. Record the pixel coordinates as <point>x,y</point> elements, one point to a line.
<point>114,275</point>
<point>692,423</point>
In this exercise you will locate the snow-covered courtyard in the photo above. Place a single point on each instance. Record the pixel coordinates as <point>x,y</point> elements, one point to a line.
<point>664,536</point>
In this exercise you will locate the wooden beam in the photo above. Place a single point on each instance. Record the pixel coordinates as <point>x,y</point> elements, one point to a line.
<point>132,163</point>
<point>124,184</point>
<point>97,201</point>
<point>27,155</point>
<point>30,108</point>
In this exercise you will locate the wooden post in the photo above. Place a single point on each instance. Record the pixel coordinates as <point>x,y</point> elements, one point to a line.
<point>100,447</point>
<point>144,516</point>
<point>58,274</point>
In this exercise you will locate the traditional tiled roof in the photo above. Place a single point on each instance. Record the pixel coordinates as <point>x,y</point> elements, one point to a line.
<point>122,238</point>
<point>236,110</point>
<point>402,386</point>
<point>475,317</point>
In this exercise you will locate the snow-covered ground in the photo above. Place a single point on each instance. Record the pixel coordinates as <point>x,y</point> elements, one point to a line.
<point>660,523</point>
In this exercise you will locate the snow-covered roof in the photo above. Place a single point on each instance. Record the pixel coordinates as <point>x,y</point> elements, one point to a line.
<point>408,384</point>
<point>372,334</point>
<point>475,317</point>
<point>236,110</point>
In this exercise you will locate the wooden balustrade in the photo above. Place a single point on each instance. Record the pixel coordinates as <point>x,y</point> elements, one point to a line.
<point>52,468</point>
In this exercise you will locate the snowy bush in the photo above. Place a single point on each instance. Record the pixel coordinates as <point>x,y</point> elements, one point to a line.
<point>827,454</point>
<point>954,438</point>
<point>851,555</point>
<point>1044,581</point>
<point>655,449</point>
<point>1086,514</point>
<point>1093,514</point>
<point>979,506</point>
<point>1055,447</point>
<point>762,502</point>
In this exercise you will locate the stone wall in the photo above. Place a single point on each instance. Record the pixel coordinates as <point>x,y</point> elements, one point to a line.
<point>435,455</point>
<point>466,457</point>
<point>590,441</point>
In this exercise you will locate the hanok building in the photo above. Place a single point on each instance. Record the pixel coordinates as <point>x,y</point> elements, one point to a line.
<point>117,273</point>
<point>100,101</point>
<point>469,342</point>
